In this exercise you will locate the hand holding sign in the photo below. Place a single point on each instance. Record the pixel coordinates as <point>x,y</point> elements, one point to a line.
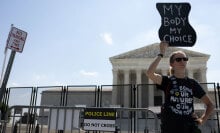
<point>175,27</point>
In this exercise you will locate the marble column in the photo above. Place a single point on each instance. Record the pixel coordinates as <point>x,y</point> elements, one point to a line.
<point>150,93</point>
<point>114,88</point>
<point>164,72</point>
<point>203,71</point>
<point>139,91</point>
<point>190,73</point>
<point>126,88</point>
<point>203,75</point>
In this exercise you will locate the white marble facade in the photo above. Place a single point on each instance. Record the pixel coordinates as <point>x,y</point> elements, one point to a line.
<point>130,68</point>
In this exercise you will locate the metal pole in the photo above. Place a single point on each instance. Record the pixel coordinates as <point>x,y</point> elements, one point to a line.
<point>218,93</point>
<point>98,97</point>
<point>7,73</point>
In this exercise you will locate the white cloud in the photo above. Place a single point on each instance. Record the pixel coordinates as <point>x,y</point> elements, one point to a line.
<point>90,74</point>
<point>39,77</point>
<point>107,37</point>
<point>14,84</point>
<point>142,39</point>
<point>148,37</point>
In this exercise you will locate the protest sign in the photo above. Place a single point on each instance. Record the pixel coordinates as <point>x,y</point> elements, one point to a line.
<point>175,28</point>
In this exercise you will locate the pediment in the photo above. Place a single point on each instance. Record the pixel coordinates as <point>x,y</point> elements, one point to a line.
<point>151,51</point>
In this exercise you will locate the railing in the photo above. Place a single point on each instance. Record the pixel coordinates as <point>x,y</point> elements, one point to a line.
<point>51,119</point>
<point>98,97</point>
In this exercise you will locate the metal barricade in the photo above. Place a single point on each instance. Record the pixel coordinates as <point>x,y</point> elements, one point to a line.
<point>137,120</point>
<point>211,125</point>
<point>58,119</point>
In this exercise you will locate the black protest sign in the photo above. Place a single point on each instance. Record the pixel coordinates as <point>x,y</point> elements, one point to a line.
<point>175,27</point>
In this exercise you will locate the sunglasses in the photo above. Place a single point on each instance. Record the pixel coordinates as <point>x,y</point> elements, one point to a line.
<point>181,59</point>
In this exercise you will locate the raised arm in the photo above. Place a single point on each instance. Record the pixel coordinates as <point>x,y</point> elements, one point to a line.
<point>156,78</point>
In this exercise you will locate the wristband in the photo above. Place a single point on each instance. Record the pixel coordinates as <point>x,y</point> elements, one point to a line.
<point>161,55</point>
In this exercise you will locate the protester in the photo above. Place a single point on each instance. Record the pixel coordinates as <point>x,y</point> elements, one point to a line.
<point>177,113</point>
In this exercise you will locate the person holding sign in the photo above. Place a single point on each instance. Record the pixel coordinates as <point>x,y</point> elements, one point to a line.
<point>177,113</point>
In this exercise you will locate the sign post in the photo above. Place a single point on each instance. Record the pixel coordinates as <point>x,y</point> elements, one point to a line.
<point>175,28</point>
<point>15,42</point>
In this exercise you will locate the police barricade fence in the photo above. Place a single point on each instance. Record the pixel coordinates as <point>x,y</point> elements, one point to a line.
<point>69,119</point>
<point>212,124</point>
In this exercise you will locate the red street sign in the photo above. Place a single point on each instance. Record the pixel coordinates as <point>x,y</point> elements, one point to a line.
<point>16,39</point>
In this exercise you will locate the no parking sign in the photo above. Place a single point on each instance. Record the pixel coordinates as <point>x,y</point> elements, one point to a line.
<point>16,39</point>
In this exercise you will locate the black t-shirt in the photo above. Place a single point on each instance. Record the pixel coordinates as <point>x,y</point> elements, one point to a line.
<point>179,94</point>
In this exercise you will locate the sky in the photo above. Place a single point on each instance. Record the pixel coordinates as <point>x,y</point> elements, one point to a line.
<point>70,42</point>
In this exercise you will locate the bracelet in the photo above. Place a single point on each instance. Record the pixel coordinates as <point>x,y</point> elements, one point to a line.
<point>161,55</point>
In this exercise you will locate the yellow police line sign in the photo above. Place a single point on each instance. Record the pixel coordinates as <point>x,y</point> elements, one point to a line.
<point>99,119</point>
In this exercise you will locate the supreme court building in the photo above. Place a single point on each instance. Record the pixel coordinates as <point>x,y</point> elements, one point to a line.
<point>130,68</point>
<point>130,84</point>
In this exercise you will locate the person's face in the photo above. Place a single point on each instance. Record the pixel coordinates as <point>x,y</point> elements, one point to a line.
<point>179,61</point>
